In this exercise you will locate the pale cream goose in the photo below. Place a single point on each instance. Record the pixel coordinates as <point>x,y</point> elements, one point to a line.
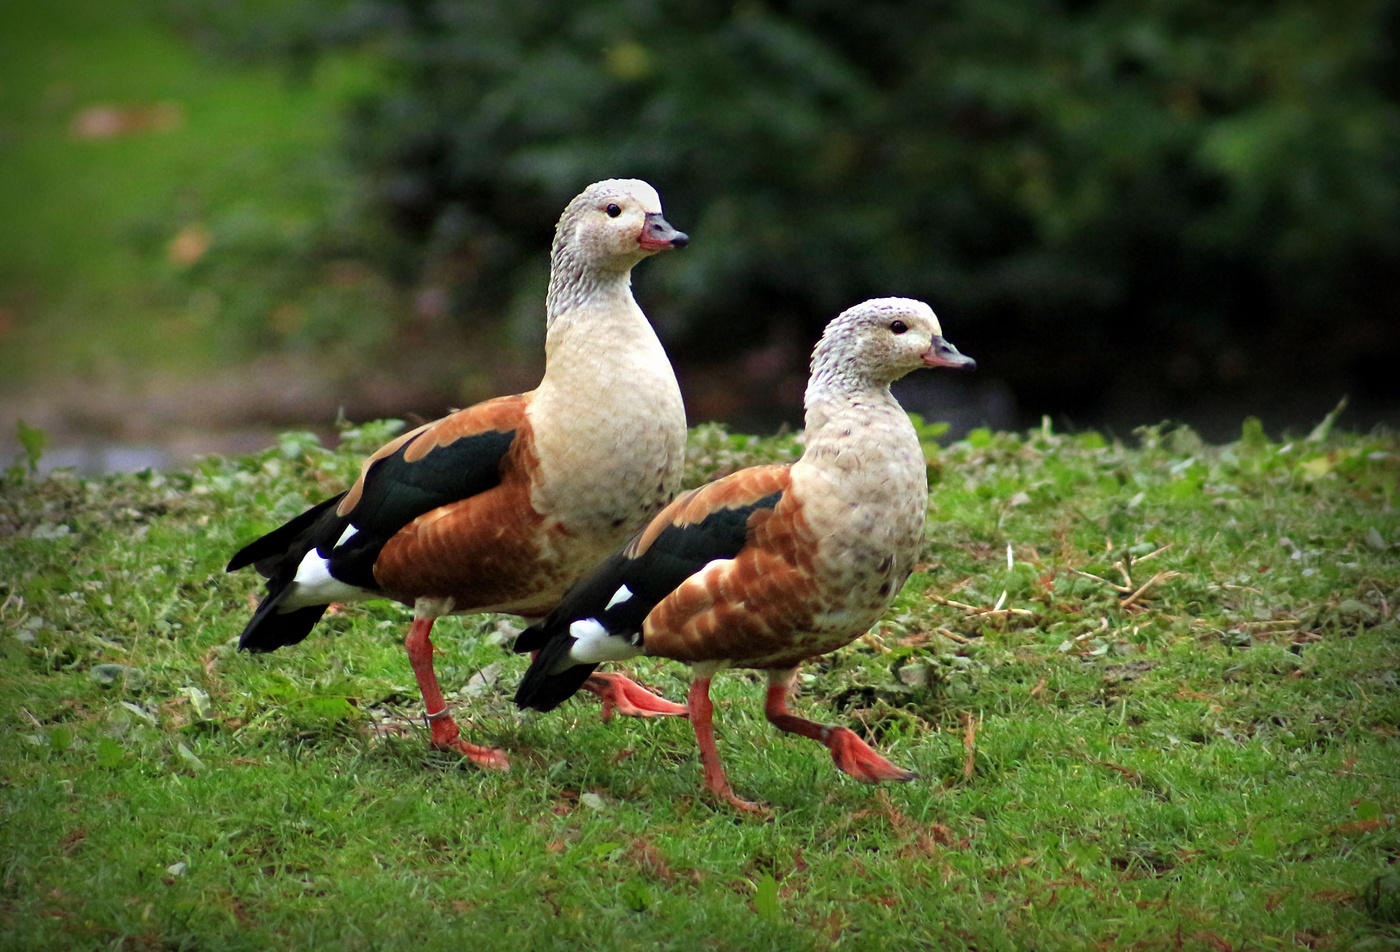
<point>502,506</point>
<point>774,565</point>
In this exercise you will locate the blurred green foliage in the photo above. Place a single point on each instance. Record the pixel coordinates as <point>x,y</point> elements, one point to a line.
<point>1172,196</point>
<point>163,211</point>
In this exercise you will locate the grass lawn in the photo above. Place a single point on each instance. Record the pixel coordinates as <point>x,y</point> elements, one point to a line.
<point>1149,685</point>
<point>155,202</point>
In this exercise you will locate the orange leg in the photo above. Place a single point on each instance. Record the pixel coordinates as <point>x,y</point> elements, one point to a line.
<point>702,719</point>
<point>624,696</point>
<point>852,755</point>
<point>446,734</point>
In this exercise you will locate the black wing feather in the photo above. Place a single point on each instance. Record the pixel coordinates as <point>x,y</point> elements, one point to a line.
<point>396,492</point>
<point>297,535</point>
<point>276,556</point>
<point>678,552</point>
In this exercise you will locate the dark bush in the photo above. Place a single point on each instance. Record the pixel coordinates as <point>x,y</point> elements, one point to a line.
<point>1113,204</point>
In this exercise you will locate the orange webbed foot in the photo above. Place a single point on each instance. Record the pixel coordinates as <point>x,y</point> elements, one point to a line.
<point>447,736</point>
<point>855,757</point>
<point>492,758</point>
<point>622,695</point>
<point>751,807</point>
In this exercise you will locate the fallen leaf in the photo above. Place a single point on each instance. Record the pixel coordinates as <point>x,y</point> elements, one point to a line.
<point>109,675</point>
<point>189,245</point>
<point>1317,467</point>
<point>189,757</point>
<point>1363,826</point>
<point>649,859</point>
<point>969,744</point>
<point>111,122</point>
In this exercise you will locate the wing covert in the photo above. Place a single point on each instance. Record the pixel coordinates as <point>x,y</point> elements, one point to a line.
<point>443,462</point>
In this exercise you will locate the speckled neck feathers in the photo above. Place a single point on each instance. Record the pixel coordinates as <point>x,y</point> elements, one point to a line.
<point>862,474</point>
<point>855,362</point>
<point>594,251</point>
<point>574,280</point>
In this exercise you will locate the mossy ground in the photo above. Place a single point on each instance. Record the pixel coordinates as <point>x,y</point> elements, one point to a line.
<point>1149,685</point>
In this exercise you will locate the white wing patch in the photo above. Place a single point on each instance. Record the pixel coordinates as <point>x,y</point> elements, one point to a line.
<point>594,643</point>
<point>346,536</point>
<point>314,585</point>
<point>621,595</point>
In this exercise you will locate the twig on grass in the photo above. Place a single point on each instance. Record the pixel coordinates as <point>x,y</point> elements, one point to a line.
<point>1267,623</point>
<point>1125,589</point>
<point>1103,627</point>
<point>1162,576</point>
<point>974,610</point>
<point>1131,589</point>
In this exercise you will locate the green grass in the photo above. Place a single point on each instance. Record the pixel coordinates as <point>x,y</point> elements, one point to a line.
<point>1208,761</point>
<point>239,155</point>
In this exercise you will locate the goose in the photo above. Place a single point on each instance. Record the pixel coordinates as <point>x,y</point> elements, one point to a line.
<point>773,565</point>
<point>502,506</point>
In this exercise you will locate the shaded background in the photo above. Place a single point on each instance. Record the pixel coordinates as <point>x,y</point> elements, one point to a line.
<point>217,222</point>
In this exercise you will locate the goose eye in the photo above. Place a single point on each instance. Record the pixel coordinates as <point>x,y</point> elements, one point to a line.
<point>613,210</point>
<point>899,327</point>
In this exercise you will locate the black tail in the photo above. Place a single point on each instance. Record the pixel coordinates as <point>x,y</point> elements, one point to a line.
<point>287,543</point>
<point>276,556</point>
<point>534,638</point>
<point>543,688</point>
<point>270,629</point>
